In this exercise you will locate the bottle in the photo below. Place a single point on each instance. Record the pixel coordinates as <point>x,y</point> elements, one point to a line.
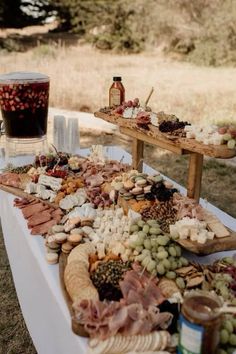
<point>116,92</point>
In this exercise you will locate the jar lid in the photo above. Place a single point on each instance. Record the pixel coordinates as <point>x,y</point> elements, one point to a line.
<point>23,77</point>
<point>117,78</point>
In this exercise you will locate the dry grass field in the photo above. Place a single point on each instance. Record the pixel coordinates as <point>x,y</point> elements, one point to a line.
<point>81,75</point>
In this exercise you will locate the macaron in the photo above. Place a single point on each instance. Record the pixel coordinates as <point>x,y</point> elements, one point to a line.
<point>128,196</point>
<point>137,190</point>
<point>66,247</point>
<point>60,237</point>
<point>140,197</point>
<point>141,183</point>
<point>52,258</point>
<point>57,228</point>
<point>74,238</point>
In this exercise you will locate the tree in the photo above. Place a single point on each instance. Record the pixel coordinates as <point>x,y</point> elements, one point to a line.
<point>20,13</point>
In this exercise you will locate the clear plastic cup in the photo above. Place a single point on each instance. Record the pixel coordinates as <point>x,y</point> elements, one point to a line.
<point>24,104</point>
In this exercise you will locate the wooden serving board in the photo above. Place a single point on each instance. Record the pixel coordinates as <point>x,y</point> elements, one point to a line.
<point>21,194</point>
<point>76,328</point>
<point>185,145</point>
<point>221,244</point>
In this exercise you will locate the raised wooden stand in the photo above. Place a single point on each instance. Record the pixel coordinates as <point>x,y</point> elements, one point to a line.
<point>180,146</point>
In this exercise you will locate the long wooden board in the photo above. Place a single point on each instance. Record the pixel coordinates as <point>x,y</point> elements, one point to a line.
<point>21,194</point>
<point>191,145</point>
<point>211,246</point>
<point>76,328</point>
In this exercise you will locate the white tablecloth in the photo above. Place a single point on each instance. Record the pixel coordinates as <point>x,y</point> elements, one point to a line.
<point>37,283</point>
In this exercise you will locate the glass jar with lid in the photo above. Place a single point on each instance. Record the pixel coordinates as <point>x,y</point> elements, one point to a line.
<point>24,104</point>
<point>199,323</point>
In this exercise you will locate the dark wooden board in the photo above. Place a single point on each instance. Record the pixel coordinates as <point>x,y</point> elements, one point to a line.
<point>211,246</point>
<point>76,328</point>
<point>217,151</point>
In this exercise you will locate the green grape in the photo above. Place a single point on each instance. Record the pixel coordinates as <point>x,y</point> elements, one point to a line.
<point>134,228</point>
<point>224,336</point>
<point>180,282</point>
<point>162,255</point>
<point>141,223</point>
<point>227,137</point>
<point>139,248</point>
<point>162,240</point>
<point>171,275</point>
<point>172,251</point>
<point>147,244</point>
<point>224,292</point>
<point>151,222</point>
<point>161,248</point>
<point>160,269</point>
<point>146,229</point>
<point>179,263</point>
<point>153,242</point>
<point>178,250</point>
<point>184,261</point>
<point>166,263</point>
<point>140,257</point>
<point>146,252</point>
<point>231,144</point>
<point>233,321</point>
<point>154,230</point>
<point>146,261</point>
<point>151,266</point>
<point>142,234</point>
<point>228,260</point>
<point>174,265</point>
<point>228,325</point>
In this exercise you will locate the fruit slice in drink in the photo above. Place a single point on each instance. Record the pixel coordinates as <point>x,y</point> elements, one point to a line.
<point>24,104</point>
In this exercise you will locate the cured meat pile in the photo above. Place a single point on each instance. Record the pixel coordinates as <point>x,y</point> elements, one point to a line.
<point>10,179</point>
<point>135,313</point>
<point>40,216</point>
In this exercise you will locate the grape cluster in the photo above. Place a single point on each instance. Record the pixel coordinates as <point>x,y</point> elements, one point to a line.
<point>229,135</point>
<point>228,335</point>
<point>120,109</point>
<point>169,126</point>
<point>156,251</point>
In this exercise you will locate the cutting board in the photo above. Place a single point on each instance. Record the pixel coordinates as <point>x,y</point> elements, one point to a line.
<point>21,194</point>
<point>76,328</point>
<point>221,244</point>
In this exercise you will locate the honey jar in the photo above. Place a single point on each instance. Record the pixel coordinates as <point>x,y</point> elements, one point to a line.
<point>200,321</point>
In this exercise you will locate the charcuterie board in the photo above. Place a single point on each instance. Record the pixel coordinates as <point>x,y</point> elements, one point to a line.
<point>76,328</point>
<point>185,145</point>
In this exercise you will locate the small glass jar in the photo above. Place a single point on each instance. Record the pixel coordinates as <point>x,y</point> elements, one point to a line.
<point>24,104</point>
<point>200,321</point>
<point>116,92</point>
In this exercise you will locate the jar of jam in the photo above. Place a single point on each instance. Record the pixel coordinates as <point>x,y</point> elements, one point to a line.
<point>199,323</point>
<point>116,92</point>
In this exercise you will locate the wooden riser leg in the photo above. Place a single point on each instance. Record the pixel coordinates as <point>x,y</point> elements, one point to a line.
<point>195,176</point>
<point>137,154</point>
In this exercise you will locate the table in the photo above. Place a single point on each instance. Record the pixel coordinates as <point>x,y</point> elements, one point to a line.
<point>37,283</point>
<point>181,146</point>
